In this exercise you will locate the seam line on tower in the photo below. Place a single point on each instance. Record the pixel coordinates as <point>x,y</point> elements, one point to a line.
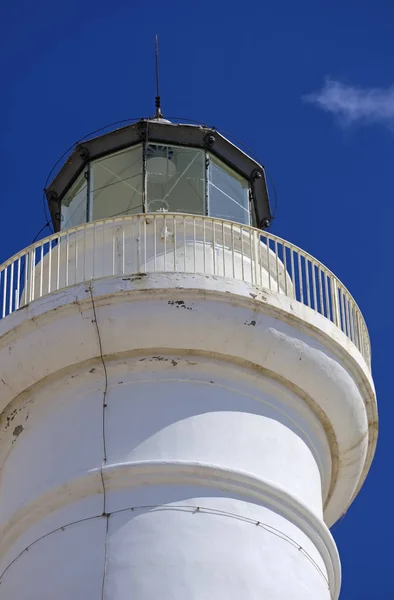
<point>183,507</point>
<point>104,406</point>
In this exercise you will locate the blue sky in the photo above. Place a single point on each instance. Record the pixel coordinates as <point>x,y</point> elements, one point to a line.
<point>307,85</point>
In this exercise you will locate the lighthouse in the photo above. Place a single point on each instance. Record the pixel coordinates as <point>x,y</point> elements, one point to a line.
<point>186,399</point>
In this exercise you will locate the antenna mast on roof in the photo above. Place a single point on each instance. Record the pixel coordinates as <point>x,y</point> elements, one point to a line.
<point>158,114</point>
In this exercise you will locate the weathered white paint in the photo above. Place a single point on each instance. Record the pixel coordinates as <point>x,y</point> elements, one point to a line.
<point>201,457</point>
<point>242,444</point>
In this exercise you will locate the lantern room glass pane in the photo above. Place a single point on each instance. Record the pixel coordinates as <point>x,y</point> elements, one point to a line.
<point>116,185</point>
<point>175,179</point>
<point>74,204</point>
<point>228,193</point>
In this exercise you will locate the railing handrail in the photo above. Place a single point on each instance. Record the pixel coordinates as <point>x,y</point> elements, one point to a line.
<point>64,232</point>
<point>55,237</point>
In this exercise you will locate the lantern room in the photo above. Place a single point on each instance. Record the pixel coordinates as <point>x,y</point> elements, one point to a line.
<point>158,166</point>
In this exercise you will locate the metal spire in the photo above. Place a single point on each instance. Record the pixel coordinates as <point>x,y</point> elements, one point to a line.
<point>158,114</point>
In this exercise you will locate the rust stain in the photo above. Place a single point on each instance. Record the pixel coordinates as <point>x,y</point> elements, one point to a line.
<point>251,323</point>
<point>179,304</point>
<point>136,277</point>
<point>160,359</point>
<point>18,430</point>
<point>10,418</point>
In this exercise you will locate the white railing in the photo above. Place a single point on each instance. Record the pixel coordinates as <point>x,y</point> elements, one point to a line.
<point>164,242</point>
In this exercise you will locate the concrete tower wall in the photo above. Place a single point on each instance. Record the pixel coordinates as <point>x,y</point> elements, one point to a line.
<point>171,436</point>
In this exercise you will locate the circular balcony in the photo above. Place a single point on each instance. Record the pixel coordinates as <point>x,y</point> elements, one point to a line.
<point>184,243</point>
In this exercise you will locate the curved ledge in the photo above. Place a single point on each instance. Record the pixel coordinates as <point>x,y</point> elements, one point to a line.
<point>178,507</point>
<point>153,473</point>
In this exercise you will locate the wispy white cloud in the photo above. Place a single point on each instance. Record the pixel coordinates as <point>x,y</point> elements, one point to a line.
<point>354,104</point>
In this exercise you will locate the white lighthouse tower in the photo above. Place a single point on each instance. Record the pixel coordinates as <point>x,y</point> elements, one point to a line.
<point>186,399</point>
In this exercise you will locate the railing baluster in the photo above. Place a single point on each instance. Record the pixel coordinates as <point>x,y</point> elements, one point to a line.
<point>360,332</point>
<point>349,325</point>
<point>346,315</point>
<point>321,302</point>
<point>354,324</point>
<point>233,248</point>
<point>123,251</point>
<point>268,262</point>
<point>366,345</point>
<point>194,245</point>
<point>361,335</point>
<point>113,247</point>
<point>214,246</point>
<point>154,243</point>
<point>17,293</point>
<point>314,286</point>
<point>145,242</point>
<point>4,291</point>
<point>300,277</point>
<point>260,258</point>
<point>223,247</point>
<point>351,313</point>
<point>49,266</point>
<point>356,328</point>
<point>27,269</point>
<point>285,266</point>
<point>139,264</point>
<point>251,255</point>
<point>11,294</point>
<point>33,274</point>
<point>174,238</point>
<point>277,265</point>
<point>67,255</point>
<point>343,320</point>
<point>84,254</point>
<point>292,273</point>
<point>41,267</point>
<point>184,244</point>
<point>242,253</point>
<point>256,256</point>
<point>94,251</point>
<point>204,254</point>
<point>103,251</point>
<point>76,278</point>
<point>334,302</point>
<point>328,315</point>
<point>308,287</point>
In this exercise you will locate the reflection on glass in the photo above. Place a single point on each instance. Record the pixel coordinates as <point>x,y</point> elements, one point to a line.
<point>73,209</point>
<point>175,179</point>
<point>116,185</point>
<point>228,193</point>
